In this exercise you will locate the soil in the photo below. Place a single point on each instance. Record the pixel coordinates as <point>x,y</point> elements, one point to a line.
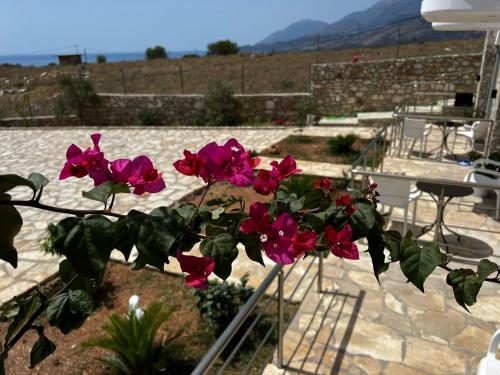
<point>70,358</point>
<point>314,149</point>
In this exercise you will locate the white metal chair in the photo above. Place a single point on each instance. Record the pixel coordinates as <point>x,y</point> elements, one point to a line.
<point>472,133</point>
<point>416,130</point>
<point>479,174</point>
<point>490,365</point>
<point>397,192</point>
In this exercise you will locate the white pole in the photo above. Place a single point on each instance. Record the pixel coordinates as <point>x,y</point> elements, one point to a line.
<point>494,77</point>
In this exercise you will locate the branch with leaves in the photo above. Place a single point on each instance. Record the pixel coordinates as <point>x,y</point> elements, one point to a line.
<point>304,217</point>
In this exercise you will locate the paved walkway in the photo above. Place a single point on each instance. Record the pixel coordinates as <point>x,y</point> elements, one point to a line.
<point>358,327</point>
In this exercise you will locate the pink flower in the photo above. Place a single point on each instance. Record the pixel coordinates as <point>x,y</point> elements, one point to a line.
<point>347,202</point>
<point>120,170</point>
<point>276,238</point>
<point>144,177</point>
<point>303,243</point>
<point>286,168</point>
<point>259,219</point>
<point>89,162</point>
<point>230,162</point>
<point>191,165</point>
<point>341,242</point>
<point>198,269</point>
<point>324,184</point>
<point>266,182</point>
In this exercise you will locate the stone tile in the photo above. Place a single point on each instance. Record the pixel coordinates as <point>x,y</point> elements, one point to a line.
<point>398,369</point>
<point>473,338</point>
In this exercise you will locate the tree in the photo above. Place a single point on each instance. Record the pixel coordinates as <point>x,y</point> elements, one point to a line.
<point>221,107</point>
<point>223,48</point>
<point>157,52</point>
<point>77,95</point>
<point>101,59</point>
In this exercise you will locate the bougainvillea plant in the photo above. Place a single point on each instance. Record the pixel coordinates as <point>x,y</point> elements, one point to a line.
<point>301,220</point>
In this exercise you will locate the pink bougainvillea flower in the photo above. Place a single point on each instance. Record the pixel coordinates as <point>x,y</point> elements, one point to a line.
<point>89,162</point>
<point>259,219</point>
<point>277,241</point>
<point>303,243</point>
<point>230,162</point>
<point>144,177</point>
<point>286,168</point>
<point>197,268</point>
<point>266,182</point>
<point>341,244</point>
<point>346,202</point>
<point>324,184</point>
<point>120,170</point>
<point>191,165</point>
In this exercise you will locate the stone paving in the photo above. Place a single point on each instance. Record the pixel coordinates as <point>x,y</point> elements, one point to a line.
<point>358,326</point>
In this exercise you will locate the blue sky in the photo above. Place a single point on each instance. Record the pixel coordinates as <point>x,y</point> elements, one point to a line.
<point>28,26</point>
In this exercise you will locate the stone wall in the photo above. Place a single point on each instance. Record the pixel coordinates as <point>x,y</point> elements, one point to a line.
<point>39,121</point>
<point>118,110</point>
<point>488,62</point>
<point>349,88</point>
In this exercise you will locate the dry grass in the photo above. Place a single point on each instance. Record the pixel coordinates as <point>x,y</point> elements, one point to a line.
<point>262,73</point>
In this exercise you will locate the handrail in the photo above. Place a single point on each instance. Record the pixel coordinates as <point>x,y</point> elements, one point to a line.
<point>380,135</point>
<point>215,351</point>
<point>442,117</point>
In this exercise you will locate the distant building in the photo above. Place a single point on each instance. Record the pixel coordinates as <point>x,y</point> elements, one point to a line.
<point>70,59</point>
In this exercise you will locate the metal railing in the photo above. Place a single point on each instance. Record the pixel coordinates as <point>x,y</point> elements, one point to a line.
<point>209,361</point>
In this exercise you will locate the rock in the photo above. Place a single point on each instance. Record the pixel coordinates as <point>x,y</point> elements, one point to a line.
<point>393,303</point>
<point>397,369</point>
<point>439,325</point>
<point>472,338</point>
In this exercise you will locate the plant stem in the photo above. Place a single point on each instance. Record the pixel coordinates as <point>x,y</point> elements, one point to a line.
<point>29,323</point>
<point>209,184</point>
<point>40,206</point>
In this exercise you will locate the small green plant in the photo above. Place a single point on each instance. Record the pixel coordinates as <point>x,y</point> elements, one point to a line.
<point>133,343</point>
<point>495,156</point>
<point>101,59</point>
<point>158,52</point>
<point>342,144</point>
<point>222,48</point>
<point>221,302</point>
<point>287,85</point>
<point>76,95</point>
<point>305,107</point>
<point>148,117</point>
<point>221,108</point>
<point>474,155</point>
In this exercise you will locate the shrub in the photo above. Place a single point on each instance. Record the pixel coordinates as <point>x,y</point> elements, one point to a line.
<point>287,84</point>
<point>474,155</point>
<point>157,52</point>
<point>222,48</point>
<point>132,341</point>
<point>342,144</point>
<point>101,59</point>
<point>221,302</point>
<point>220,106</point>
<point>304,108</point>
<point>191,56</point>
<point>148,117</point>
<point>77,95</point>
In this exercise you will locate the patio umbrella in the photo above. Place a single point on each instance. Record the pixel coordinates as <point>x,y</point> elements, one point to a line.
<point>461,11</point>
<point>457,26</point>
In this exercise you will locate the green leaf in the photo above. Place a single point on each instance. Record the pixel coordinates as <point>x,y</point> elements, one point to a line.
<point>154,235</point>
<point>186,211</point>
<point>466,285</point>
<point>223,250</point>
<point>67,273</point>
<point>217,212</point>
<point>376,247</point>
<point>123,241</point>
<point>393,241</point>
<point>363,219</point>
<point>102,192</point>
<point>42,349</point>
<point>485,268</point>
<point>10,181</point>
<point>27,307</point>
<point>11,223</point>
<point>253,248</point>
<point>297,205</point>
<point>86,242</point>
<point>68,311</point>
<point>2,366</point>
<point>9,311</point>
<point>38,180</point>
<point>418,263</point>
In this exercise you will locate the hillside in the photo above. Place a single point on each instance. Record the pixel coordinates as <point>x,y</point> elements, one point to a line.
<point>295,31</point>
<point>388,22</point>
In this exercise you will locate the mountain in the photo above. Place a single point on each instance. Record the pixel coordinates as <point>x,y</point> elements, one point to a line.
<point>385,23</point>
<point>295,31</point>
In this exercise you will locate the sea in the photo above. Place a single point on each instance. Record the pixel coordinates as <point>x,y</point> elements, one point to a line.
<point>43,60</point>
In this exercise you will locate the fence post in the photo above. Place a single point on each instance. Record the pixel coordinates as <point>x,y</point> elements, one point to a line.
<point>243,79</point>
<point>181,79</point>
<point>124,82</point>
<point>281,325</point>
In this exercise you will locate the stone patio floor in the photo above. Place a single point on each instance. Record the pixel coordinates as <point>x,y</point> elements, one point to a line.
<point>358,326</point>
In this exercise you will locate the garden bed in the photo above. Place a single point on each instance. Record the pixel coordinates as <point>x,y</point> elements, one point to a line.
<point>320,149</point>
<point>119,284</point>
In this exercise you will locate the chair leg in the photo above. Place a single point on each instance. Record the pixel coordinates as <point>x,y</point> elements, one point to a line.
<point>421,147</point>
<point>415,212</point>
<point>405,222</point>
<point>497,213</point>
<point>412,147</point>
